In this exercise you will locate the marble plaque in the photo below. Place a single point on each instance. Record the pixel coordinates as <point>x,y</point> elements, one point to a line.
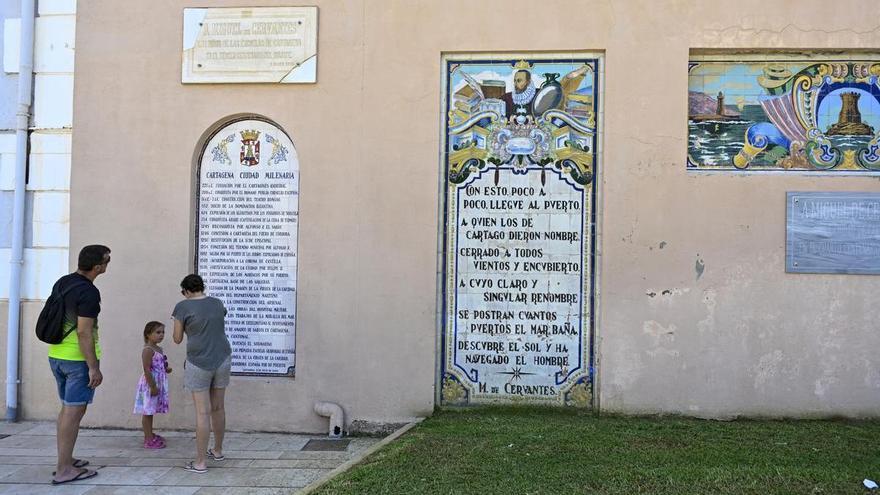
<point>519,157</point>
<point>250,45</point>
<point>832,232</point>
<point>246,237</point>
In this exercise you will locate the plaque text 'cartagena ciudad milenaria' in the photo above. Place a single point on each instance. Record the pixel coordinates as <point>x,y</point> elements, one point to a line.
<point>246,233</point>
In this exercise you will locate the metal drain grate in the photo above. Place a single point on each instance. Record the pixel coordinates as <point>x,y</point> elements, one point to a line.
<point>326,445</point>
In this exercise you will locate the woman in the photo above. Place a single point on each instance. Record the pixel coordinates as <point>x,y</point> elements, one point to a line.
<point>207,366</point>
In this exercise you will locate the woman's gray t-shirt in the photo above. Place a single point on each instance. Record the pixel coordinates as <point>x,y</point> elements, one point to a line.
<point>203,322</point>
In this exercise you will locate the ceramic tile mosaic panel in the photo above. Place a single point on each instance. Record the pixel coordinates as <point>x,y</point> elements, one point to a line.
<point>519,159</point>
<point>784,112</point>
<point>246,241</point>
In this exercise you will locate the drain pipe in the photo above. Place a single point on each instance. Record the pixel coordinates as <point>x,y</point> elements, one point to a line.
<point>16,258</point>
<point>329,409</point>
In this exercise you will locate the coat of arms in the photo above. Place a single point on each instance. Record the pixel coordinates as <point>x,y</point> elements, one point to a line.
<point>250,148</point>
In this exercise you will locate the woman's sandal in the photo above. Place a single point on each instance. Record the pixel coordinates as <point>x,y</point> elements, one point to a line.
<point>210,453</point>
<point>77,463</point>
<point>190,466</point>
<point>82,475</point>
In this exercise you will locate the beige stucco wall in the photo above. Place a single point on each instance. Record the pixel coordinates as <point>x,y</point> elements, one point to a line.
<point>743,338</point>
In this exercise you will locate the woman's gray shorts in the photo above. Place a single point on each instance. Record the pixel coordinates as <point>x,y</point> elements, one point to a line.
<point>196,379</point>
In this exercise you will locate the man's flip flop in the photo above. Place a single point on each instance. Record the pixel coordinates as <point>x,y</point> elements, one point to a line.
<point>77,463</point>
<point>210,453</point>
<point>83,475</point>
<point>190,466</point>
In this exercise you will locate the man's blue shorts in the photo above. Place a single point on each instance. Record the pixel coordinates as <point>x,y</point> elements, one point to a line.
<point>72,378</point>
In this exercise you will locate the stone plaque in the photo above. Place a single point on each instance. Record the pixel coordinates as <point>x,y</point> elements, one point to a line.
<point>519,241</point>
<point>246,237</point>
<point>250,45</point>
<point>832,232</point>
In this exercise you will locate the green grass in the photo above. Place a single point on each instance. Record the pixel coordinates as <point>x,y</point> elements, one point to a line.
<point>539,451</point>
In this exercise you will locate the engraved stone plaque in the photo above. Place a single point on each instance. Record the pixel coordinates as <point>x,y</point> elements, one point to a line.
<point>832,232</point>
<point>250,45</point>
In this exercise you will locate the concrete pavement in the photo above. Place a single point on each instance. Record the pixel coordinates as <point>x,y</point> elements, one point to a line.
<point>256,463</point>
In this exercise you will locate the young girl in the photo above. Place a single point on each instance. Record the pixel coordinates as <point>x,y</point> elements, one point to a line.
<point>152,391</point>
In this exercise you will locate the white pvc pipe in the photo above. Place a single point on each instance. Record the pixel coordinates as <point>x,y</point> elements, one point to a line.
<point>16,257</point>
<point>334,412</point>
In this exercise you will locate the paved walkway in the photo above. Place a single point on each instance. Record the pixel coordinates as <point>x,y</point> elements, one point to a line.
<point>256,463</point>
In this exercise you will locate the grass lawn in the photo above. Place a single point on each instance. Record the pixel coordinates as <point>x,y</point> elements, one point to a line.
<point>531,451</point>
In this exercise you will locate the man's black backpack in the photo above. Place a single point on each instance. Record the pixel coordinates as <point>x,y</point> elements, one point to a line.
<point>50,324</point>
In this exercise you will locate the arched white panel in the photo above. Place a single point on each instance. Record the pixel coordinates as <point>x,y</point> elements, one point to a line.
<point>246,238</point>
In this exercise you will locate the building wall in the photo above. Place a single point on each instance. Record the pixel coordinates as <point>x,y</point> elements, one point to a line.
<point>727,331</point>
<point>8,82</point>
<point>46,237</point>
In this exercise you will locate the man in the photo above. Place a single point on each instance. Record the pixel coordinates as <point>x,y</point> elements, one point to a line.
<point>75,362</point>
<point>519,102</point>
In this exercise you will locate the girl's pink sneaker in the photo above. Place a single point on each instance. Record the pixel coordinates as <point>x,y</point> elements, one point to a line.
<point>154,443</point>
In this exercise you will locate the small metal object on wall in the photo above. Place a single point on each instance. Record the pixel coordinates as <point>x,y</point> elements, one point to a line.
<point>832,232</point>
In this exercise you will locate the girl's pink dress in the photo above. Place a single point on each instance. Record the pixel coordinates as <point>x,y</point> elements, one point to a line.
<point>146,404</point>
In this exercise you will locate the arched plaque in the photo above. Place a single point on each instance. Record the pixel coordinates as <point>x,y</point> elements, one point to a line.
<point>246,233</point>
